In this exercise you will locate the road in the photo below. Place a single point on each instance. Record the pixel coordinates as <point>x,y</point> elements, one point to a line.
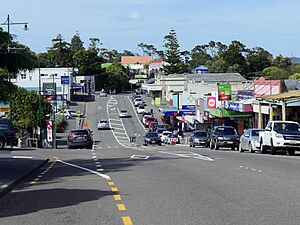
<point>118,182</point>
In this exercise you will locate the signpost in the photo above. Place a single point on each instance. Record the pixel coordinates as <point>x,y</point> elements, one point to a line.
<point>49,131</point>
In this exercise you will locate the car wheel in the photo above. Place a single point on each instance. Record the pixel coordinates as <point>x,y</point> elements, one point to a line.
<point>216,146</point>
<point>193,146</point>
<point>273,149</point>
<point>250,148</point>
<point>262,148</point>
<point>2,143</point>
<point>211,146</point>
<point>291,152</point>
<point>240,148</point>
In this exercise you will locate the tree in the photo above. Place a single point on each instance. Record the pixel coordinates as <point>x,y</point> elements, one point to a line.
<point>295,76</point>
<point>28,111</point>
<point>198,57</point>
<point>295,68</point>
<point>274,73</point>
<point>76,43</point>
<point>259,59</point>
<point>217,66</point>
<point>282,62</point>
<point>94,42</point>
<point>60,53</point>
<point>172,55</point>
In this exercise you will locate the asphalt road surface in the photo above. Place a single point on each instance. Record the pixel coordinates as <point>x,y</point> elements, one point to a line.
<point>119,182</point>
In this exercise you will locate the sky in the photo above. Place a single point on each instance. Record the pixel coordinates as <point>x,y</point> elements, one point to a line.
<point>123,24</point>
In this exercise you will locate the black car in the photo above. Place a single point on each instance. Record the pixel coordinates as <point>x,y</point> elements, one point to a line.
<point>152,138</point>
<point>7,133</point>
<point>224,136</point>
<point>80,138</point>
<point>199,138</point>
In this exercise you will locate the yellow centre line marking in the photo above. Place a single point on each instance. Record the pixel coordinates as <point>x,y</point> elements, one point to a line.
<point>117,197</point>
<point>108,178</point>
<point>121,207</point>
<point>114,189</point>
<point>111,183</point>
<point>32,182</point>
<point>126,220</point>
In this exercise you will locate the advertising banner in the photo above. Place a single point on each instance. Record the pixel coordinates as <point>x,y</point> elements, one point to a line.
<point>49,131</point>
<point>189,101</point>
<point>224,92</point>
<point>211,102</point>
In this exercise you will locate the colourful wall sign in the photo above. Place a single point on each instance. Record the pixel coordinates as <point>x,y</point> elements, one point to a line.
<point>224,92</point>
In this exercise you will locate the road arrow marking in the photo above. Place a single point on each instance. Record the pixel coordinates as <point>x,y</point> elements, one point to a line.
<point>139,157</point>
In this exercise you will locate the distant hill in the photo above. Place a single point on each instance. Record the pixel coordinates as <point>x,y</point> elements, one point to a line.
<point>295,60</point>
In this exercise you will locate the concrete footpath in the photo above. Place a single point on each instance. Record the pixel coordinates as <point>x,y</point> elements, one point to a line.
<point>14,169</point>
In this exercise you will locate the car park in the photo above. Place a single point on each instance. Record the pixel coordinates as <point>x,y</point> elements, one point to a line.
<point>80,138</point>
<point>224,136</point>
<point>140,109</point>
<point>250,140</point>
<point>103,124</point>
<point>199,138</point>
<point>152,138</point>
<point>123,113</point>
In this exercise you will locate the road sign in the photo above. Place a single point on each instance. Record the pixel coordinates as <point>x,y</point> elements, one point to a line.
<point>64,80</point>
<point>49,131</point>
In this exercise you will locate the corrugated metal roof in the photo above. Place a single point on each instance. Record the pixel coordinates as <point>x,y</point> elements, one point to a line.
<point>283,96</point>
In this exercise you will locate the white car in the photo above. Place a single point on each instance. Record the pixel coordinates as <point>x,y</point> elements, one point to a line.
<point>138,101</point>
<point>123,113</point>
<point>145,117</point>
<point>103,124</point>
<point>102,94</point>
<point>140,109</point>
<point>165,135</point>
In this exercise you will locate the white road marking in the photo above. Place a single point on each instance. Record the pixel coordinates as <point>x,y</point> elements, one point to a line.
<point>22,157</point>
<point>121,137</point>
<point>115,119</point>
<point>99,107</point>
<point>86,169</point>
<point>98,165</point>
<point>118,124</point>
<point>118,128</point>
<point>94,157</point>
<point>100,169</point>
<point>4,186</point>
<point>120,133</point>
<point>139,157</point>
<point>193,156</point>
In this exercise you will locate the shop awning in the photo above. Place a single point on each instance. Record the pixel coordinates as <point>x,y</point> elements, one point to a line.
<point>221,113</point>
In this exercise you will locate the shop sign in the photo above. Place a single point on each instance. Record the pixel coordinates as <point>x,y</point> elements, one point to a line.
<point>211,102</point>
<point>224,92</point>
<point>64,79</point>
<point>189,107</point>
<point>235,106</point>
<point>4,107</point>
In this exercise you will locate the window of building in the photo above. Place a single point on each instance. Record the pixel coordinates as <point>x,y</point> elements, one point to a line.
<point>23,76</point>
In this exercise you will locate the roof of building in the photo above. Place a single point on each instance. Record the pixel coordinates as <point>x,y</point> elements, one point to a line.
<point>157,61</point>
<point>216,77</point>
<point>136,59</point>
<point>283,96</point>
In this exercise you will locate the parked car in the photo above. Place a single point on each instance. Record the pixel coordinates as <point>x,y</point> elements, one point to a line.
<point>149,120</point>
<point>102,94</point>
<point>7,132</point>
<point>165,135</point>
<point>199,138</point>
<point>123,113</point>
<point>80,138</point>
<point>250,140</point>
<point>280,136</point>
<point>137,102</point>
<point>103,124</point>
<point>172,138</point>
<point>152,138</point>
<point>160,131</point>
<point>140,109</point>
<point>152,126</point>
<point>224,136</point>
<point>144,116</point>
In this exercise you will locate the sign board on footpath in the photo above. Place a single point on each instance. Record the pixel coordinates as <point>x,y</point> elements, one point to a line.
<point>49,131</point>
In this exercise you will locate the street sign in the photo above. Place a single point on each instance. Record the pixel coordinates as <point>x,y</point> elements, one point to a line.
<point>64,80</point>
<point>49,131</point>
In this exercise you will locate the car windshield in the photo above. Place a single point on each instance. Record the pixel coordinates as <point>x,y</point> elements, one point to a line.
<point>79,132</point>
<point>160,131</point>
<point>141,107</point>
<point>200,134</point>
<point>225,131</point>
<point>123,111</point>
<point>152,135</point>
<point>256,132</point>
<point>286,127</point>
<point>103,121</point>
<point>151,119</point>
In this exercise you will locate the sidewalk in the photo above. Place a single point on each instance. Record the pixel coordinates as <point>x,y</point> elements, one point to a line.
<point>14,169</point>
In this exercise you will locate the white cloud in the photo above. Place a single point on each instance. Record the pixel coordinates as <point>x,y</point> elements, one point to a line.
<point>135,16</point>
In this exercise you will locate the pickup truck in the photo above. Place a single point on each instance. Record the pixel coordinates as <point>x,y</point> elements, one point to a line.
<point>7,132</point>
<point>280,136</point>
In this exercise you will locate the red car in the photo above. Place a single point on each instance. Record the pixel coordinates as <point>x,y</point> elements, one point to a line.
<point>150,120</point>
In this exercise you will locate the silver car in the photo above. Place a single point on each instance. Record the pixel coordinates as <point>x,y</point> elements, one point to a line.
<point>249,140</point>
<point>103,124</point>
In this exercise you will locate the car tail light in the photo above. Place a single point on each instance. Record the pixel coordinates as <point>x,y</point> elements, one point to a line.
<point>71,137</point>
